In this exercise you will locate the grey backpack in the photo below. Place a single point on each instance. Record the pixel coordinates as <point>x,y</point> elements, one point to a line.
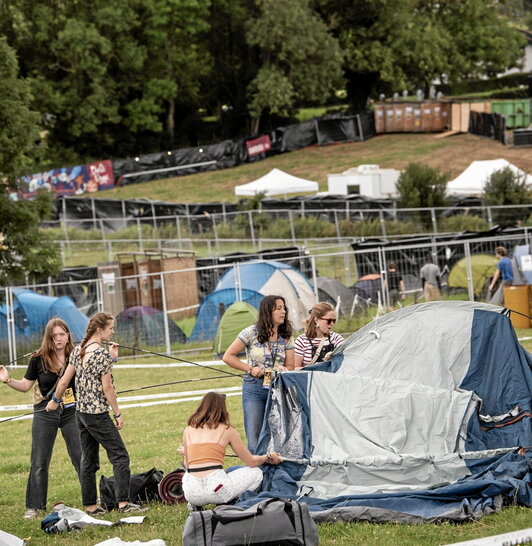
<point>270,522</point>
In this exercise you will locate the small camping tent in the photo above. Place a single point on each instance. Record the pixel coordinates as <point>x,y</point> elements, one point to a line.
<point>430,406</point>
<point>32,311</point>
<point>368,287</point>
<point>277,182</point>
<point>332,290</point>
<point>238,316</point>
<point>251,281</point>
<point>483,267</point>
<point>141,325</point>
<point>474,178</point>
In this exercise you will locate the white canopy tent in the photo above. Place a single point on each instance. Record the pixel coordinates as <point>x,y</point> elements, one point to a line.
<point>474,178</point>
<point>277,182</point>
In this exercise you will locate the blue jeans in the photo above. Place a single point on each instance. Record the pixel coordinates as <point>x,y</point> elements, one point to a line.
<point>43,434</point>
<point>95,430</point>
<point>254,398</point>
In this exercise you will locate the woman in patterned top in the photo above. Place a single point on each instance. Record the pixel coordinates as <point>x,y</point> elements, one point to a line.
<point>270,348</point>
<point>318,341</point>
<point>92,366</point>
<point>44,370</point>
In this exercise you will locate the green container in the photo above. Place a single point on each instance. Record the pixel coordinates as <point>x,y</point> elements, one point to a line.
<point>516,112</point>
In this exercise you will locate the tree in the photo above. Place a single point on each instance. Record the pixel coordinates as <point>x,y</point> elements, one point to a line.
<point>19,129</point>
<point>390,46</point>
<point>421,186</point>
<point>294,66</point>
<point>506,187</point>
<point>26,251</point>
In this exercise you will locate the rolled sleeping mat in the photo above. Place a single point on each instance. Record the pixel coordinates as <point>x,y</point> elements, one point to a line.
<point>170,487</point>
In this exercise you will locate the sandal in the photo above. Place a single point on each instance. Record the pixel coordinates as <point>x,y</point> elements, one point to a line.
<point>98,511</point>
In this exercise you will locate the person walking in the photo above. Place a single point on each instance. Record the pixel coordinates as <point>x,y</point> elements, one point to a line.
<point>319,340</point>
<point>395,284</point>
<point>269,347</point>
<point>91,365</point>
<point>44,370</point>
<point>430,279</point>
<point>205,440</point>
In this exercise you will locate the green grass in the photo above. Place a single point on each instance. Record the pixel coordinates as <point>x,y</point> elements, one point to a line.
<point>152,435</point>
<point>315,162</point>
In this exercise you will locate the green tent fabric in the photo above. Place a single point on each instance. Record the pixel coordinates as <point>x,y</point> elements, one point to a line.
<point>237,316</point>
<point>483,267</point>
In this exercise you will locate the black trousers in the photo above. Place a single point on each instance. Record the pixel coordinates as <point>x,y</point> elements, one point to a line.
<point>43,434</point>
<point>99,430</point>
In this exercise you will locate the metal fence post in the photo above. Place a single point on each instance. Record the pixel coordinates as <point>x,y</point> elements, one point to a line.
<point>490,218</point>
<point>469,270</point>
<point>434,221</point>
<point>292,229</point>
<point>139,232</point>
<point>165,317</point>
<point>251,228</point>
<point>383,223</point>
<point>314,277</point>
<point>337,225</point>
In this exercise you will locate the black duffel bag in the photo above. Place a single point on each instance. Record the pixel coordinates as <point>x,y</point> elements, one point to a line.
<point>142,488</point>
<point>270,522</point>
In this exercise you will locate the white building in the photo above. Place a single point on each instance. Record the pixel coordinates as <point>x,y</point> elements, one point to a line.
<point>365,180</point>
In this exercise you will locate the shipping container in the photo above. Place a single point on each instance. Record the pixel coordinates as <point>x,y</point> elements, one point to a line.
<point>516,112</point>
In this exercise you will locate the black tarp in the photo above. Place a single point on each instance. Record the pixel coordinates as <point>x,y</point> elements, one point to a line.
<point>488,125</point>
<point>84,294</point>
<point>412,259</point>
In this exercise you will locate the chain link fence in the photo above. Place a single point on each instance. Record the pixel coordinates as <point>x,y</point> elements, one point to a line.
<point>157,301</point>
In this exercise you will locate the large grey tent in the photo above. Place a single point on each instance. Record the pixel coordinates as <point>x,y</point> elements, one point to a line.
<point>422,415</point>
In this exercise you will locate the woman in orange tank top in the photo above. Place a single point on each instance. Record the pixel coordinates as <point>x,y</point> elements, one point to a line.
<point>205,440</point>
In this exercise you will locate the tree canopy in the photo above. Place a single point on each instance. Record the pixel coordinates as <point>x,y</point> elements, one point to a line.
<point>112,79</point>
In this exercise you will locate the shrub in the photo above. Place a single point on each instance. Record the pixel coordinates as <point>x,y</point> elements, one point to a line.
<point>422,186</point>
<point>505,187</point>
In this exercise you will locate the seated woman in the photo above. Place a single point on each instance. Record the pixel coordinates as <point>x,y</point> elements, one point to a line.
<point>205,439</point>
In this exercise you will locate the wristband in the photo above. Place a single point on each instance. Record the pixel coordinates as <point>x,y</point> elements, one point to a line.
<point>117,416</point>
<point>8,380</point>
<point>56,400</point>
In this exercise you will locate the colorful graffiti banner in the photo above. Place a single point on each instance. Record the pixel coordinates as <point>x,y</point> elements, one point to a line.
<point>69,180</point>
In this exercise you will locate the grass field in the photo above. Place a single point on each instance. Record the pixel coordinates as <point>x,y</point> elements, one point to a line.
<point>152,434</point>
<point>452,155</point>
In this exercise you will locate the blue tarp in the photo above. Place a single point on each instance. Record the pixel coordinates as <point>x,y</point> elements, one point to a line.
<point>32,311</point>
<point>496,450</point>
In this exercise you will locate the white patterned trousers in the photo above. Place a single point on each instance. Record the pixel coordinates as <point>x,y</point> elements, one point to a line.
<point>201,491</point>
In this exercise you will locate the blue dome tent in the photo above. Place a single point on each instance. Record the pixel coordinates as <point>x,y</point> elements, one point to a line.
<point>431,406</point>
<point>32,311</point>
<point>250,282</point>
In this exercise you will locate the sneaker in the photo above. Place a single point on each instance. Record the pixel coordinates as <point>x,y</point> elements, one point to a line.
<point>98,511</point>
<point>130,507</point>
<point>31,513</point>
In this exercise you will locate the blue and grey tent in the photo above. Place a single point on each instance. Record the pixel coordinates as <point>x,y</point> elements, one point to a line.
<point>250,282</point>
<point>32,311</point>
<point>423,415</point>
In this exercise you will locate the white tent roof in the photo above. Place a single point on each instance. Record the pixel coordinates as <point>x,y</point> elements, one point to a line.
<point>473,179</point>
<point>276,182</point>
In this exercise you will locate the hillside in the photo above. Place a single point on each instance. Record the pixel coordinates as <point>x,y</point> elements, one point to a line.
<point>452,155</point>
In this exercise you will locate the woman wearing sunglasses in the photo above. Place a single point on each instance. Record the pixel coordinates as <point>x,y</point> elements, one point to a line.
<point>318,341</point>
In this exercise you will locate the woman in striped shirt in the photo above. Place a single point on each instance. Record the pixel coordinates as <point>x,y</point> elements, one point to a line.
<point>318,341</point>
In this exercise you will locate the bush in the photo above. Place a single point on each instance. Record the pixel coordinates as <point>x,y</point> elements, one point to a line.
<point>462,222</point>
<point>422,186</point>
<point>505,187</point>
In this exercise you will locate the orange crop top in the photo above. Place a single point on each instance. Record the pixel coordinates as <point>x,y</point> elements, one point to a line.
<point>205,453</point>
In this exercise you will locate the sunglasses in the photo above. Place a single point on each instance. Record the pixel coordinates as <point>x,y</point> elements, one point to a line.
<point>329,320</point>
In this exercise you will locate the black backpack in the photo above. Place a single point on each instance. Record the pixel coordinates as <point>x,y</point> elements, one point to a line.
<point>271,522</point>
<point>142,488</point>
